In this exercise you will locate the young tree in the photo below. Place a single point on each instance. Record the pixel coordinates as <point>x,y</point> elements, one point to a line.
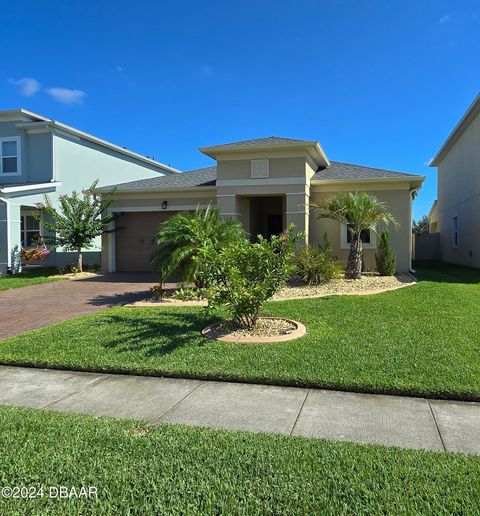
<point>385,257</point>
<point>80,219</point>
<point>181,237</point>
<point>361,212</point>
<point>241,277</point>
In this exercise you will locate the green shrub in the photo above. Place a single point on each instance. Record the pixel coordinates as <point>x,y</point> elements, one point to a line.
<point>316,265</point>
<point>182,236</point>
<point>187,294</point>
<point>241,277</point>
<point>385,257</point>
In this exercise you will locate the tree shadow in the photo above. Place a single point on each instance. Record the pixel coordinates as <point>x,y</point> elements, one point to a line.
<point>116,299</point>
<point>156,334</point>
<point>441,272</point>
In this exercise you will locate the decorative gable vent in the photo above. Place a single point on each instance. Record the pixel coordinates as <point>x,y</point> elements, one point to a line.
<point>259,168</point>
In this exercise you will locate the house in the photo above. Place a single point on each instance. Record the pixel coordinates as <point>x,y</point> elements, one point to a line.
<point>266,184</point>
<point>455,213</point>
<point>41,156</point>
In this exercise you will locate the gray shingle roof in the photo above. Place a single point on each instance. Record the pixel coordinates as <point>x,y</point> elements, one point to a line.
<point>207,177</point>
<point>270,140</point>
<point>338,170</point>
<point>193,178</point>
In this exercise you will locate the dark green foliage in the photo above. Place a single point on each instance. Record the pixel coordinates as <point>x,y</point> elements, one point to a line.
<point>80,220</point>
<point>421,225</point>
<point>183,236</point>
<point>316,265</point>
<point>385,256</point>
<point>241,277</point>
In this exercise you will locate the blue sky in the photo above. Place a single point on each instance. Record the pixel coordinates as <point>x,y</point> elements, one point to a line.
<point>378,83</point>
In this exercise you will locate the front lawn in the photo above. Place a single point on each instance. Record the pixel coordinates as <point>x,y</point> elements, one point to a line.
<point>29,277</point>
<point>173,469</point>
<point>419,340</point>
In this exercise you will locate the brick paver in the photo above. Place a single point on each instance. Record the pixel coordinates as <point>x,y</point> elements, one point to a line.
<point>26,308</point>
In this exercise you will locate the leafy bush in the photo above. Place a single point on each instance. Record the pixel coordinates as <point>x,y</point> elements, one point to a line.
<point>242,276</point>
<point>187,294</point>
<point>385,257</point>
<point>316,265</point>
<point>181,237</point>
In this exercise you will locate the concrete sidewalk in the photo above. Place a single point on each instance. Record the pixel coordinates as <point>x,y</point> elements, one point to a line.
<point>363,418</point>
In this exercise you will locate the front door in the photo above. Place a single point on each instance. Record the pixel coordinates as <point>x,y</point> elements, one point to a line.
<point>274,224</point>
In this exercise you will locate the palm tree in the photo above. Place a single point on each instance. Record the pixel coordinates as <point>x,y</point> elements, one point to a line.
<point>360,211</point>
<point>181,237</point>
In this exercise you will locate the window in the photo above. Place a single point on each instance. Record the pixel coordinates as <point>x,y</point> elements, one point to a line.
<point>455,231</point>
<point>10,155</point>
<point>367,236</point>
<point>29,230</point>
<point>364,235</point>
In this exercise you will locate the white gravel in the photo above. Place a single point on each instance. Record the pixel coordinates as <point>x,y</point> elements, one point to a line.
<point>368,284</point>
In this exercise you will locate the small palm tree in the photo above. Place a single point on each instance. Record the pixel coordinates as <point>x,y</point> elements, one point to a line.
<point>181,237</point>
<point>360,211</point>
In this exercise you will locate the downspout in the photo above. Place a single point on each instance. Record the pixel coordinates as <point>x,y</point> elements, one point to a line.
<point>9,257</point>
<point>411,192</point>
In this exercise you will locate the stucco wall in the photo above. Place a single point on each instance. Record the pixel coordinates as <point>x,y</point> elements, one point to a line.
<point>285,167</point>
<point>398,202</point>
<point>36,155</point>
<point>459,195</point>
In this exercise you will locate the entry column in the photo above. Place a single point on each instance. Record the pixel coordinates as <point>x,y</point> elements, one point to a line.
<point>297,212</point>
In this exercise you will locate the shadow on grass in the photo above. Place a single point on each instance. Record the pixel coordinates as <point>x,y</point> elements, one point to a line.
<point>156,334</point>
<point>445,272</point>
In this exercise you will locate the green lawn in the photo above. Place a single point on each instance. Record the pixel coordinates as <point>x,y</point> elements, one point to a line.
<point>29,277</point>
<point>417,340</point>
<point>178,470</point>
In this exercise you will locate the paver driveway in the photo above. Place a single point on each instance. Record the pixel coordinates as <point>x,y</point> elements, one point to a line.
<point>26,308</point>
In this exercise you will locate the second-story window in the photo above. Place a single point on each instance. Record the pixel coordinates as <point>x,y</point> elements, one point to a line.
<point>10,155</point>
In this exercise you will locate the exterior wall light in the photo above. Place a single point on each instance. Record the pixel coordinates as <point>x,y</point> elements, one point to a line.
<point>164,205</point>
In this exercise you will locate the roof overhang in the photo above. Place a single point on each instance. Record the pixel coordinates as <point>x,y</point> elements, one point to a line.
<point>459,129</point>
<point>31,121</point>
<point>28,188</point>
<point>414,181</point>
<point>313,149</point>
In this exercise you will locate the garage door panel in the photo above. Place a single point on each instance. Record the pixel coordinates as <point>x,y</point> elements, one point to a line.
<point>134,239</point>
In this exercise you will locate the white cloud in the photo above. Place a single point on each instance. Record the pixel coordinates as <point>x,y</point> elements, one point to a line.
<point>66,96</point>
<point>26,86</point>
<point>446,19</point>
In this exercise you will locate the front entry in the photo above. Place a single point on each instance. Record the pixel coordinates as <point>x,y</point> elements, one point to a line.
<point>266,216</point>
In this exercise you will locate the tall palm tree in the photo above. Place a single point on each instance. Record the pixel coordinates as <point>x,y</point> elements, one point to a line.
<point>360,211</point>
<point>181,237</point>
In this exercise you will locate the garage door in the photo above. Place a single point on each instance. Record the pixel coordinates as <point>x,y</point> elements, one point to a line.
<point>133,239</point>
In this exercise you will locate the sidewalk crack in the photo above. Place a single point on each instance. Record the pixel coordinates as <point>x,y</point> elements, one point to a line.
<point>299,412</point>
<point>436,425</point>
<point>76,391</point>
<point>156,420</point>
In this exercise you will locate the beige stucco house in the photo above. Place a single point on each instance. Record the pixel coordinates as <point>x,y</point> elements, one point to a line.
<point>455,213</point>
<point>267,184</point>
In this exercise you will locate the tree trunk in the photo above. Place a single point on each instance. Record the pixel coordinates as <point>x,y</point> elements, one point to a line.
<point>354,265</point>
<point>80,260</point>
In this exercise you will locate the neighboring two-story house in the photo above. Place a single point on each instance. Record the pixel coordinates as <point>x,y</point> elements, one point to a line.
<point>455,214</point>
<point>41,156</point>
